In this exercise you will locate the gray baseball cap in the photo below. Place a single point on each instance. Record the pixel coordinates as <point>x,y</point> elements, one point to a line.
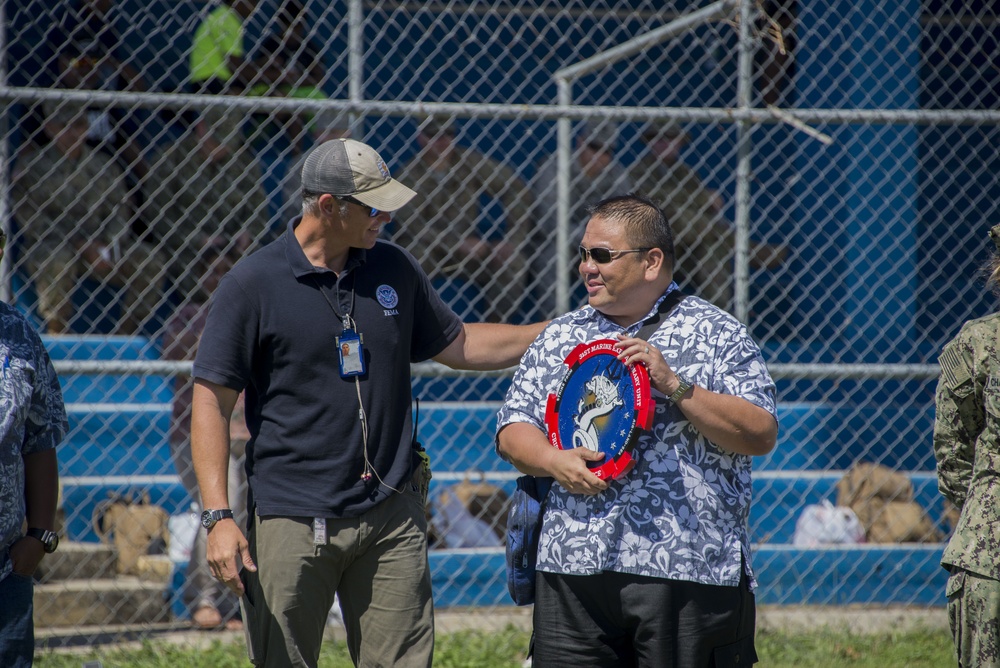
<point>345,167</point>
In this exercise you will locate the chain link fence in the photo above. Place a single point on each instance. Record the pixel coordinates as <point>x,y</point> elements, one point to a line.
<point>829,169</point>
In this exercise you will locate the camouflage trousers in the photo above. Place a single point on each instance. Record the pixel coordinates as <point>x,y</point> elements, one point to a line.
<point>974,615</point>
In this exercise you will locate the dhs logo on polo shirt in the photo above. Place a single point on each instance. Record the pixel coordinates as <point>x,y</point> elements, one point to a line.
<point>388,298</point>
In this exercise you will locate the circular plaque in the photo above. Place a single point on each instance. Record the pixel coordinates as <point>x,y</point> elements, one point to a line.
<point>602,404</point>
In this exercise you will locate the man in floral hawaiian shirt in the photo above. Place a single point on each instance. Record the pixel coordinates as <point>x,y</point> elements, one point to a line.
<point>652,569</point>
<point>32,424</point>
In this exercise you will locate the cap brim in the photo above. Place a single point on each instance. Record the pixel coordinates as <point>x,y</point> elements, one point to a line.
<point>390,196</point>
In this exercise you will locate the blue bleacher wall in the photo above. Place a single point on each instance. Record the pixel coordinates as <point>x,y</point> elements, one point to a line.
<point>118,444</point>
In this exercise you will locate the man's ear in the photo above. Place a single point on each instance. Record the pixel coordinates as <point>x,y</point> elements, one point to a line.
<point>655,260</point>
<point>327,204</point>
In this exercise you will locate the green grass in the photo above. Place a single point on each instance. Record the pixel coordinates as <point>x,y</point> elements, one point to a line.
<point>465,649</point>
<point>504,649</point>
<point>913,648</point>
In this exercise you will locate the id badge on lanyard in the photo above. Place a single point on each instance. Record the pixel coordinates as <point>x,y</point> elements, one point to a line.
<point>352,354</point>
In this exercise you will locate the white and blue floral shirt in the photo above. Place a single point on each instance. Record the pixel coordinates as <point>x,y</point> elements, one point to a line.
<point>32,418</point>
<point>681,512</point>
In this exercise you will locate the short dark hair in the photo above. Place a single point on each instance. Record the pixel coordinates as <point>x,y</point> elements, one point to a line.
<point>646,225</point>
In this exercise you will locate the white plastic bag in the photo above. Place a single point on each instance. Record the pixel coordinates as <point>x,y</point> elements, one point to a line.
<point>183,529</point>
<point>825,524</point>
<point>458,527</point>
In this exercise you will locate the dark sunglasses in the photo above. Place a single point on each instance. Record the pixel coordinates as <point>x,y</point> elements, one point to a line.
<point>372,211</point>
<point>606,255</point>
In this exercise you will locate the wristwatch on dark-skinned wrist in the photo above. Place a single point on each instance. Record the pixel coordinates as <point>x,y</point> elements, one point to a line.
<point>210,518</point>
<point>48,538</point>
<point>683,387</point>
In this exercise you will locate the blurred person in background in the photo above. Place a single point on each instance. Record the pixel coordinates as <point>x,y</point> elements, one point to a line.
<point>73,213</point>
<point>290,60</point>
<point>32,424</point>
<point>705,242</point>
<point>89,53</point>
<point>595,173</point>
<point>967,449</point>
<point>211,604</point>
<point>288,63</point>
<point>456,241</point>
<point>206,185</point>
<point>217,62</point>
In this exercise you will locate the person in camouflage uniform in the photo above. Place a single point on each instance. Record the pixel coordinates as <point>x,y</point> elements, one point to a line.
<point>449,232</point>
<point>32,424</point>
<point>71,205</point>
<point>704,241</point>
<point>967,448</point>
<point>204,188</point>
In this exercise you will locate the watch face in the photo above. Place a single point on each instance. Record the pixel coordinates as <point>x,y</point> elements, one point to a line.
<point>49,539</point>
<point>206,519</point>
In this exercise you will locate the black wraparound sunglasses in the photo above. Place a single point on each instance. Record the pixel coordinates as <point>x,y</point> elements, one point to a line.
<point>606,255</point>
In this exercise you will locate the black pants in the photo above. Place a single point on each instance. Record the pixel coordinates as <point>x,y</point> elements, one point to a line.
<point>614,619</point>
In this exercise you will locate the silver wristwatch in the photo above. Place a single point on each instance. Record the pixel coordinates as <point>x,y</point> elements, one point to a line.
<point>48,538</point>
<point>210,518</point>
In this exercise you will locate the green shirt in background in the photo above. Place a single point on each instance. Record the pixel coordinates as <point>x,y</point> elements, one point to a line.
<point>217,38</point>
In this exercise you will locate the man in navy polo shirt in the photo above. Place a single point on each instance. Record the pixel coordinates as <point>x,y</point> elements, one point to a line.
<point>336,488</point>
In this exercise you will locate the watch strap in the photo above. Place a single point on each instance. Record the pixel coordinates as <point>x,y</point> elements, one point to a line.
<point>47,537</point>
<point>683,388</point>
<point>211,517</point>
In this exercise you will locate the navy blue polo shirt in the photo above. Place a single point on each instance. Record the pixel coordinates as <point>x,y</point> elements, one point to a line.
<point>272,331</point>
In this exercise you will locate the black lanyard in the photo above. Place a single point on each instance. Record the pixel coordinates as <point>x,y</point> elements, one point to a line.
<point>345,318</point>
<point>653,322</point>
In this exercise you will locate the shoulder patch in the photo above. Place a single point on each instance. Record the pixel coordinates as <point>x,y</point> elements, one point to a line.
<point>952,370</point>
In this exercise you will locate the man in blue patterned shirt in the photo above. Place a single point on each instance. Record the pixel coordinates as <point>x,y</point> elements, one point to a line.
<point>32,423</point>
<point>652,569</point>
